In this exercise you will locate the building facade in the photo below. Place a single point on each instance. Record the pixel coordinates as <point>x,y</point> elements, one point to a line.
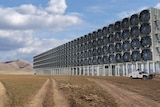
<point>114,50</point>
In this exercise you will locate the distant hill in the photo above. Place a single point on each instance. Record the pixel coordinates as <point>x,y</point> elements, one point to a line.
<point>14,66</point>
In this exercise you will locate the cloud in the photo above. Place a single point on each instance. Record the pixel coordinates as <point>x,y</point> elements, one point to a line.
<point>28,16</point>
<point>157,6</point>
<point>20,24</point>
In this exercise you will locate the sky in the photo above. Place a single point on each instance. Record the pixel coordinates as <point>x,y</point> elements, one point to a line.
<point>30,27</point>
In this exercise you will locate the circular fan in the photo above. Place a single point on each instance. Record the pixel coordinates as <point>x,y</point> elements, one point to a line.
<point>136,56</point>
<point>104,31</point>
<point>99,51</point>
<point>94,43</point>
<point>89,45</point>
<point>105,50</point>
<point>94,35</point>
<point>146,41</point>
<point>134,19</point>
<point>126,57</point>
<point>118,47</point>
<point>90,53</point>
<point>89,61</point>
<point>125,23</point>
<point>94,60</point>
<point>105,59</point>
<point>85,62</point>
<point>111,38</point>
<point>99,42</point>
<point>117,26</point>
<point>118,36</point>
<point>94,52</point>
<point>99,32</point>
<point>146,54</point>
<point>105,40</point>
<point>135,43</point>
<point>111,59</point>
<point>144,16</point>
<point>126,34</point>
<point>126,45</point>
<point>135,31</point>
<point>111,48</point>
<point>99,60</point>
<point>118,57</point>
<point>145,28</point>
<point>111,28</point>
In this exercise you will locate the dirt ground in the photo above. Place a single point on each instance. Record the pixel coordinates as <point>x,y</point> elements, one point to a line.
<point>43,97</point>
<point>52,94</point>
<point>3,97</point>
<point>125,98</point>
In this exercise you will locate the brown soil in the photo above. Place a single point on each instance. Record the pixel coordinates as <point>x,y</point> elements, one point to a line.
<point>125,98</point>
<point>4,101</point>
<point>59,99</point>
<point>48,96</point>
<point>38,99</point>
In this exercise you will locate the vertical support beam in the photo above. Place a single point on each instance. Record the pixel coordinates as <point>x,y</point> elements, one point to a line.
<point>118,70</point>
<point>154,70</point>
<point>123,69</point>
<point>98,68</point>
<point>92,71</point>
<point>126,74</point>
<point>84,71</point>
<point>148,67</point>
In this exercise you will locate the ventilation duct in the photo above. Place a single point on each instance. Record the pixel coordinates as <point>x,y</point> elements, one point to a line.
<point>105,40</point>
<point>94,60</point>
<point>99,42</point>
<point>145,28</point>
<point>94,52</point>
<point>117,26</point>
<point>136,56</point>
<point>144,16</point>
<point>126,45</point>
<point>146,41</point>
<point>118,36</point>
<point>99,33</point>
<point>104,31</point>
<point>111,28</point>
<point>89,61</point>
<point>99,51</point>
<point>111,58</point>
<point>126,34</point>
<point>99,60</point>
<point>94,43</point>
<point>135,31</point>
<point>105,60</point>
<point>105,50</point>
<point>125,23</point>
<point>118,47</point>
<point>135,43</point>
<point>127,57</point>
<point>111,38</point>
<point>111,48</point>
<point>134,20</point>
<point>146,54</point>
<point>118,57</point>
<point>94,35</point>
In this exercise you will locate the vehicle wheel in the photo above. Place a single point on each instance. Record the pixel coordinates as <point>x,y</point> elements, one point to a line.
<point>144,77</point>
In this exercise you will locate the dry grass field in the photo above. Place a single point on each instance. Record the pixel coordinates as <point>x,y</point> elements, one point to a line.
<point>80,91</point>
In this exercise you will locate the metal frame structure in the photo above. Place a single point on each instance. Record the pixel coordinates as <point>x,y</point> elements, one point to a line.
<point>115,50</point>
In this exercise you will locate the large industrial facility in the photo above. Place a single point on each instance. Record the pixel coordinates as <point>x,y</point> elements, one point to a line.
<point>114,50</point>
